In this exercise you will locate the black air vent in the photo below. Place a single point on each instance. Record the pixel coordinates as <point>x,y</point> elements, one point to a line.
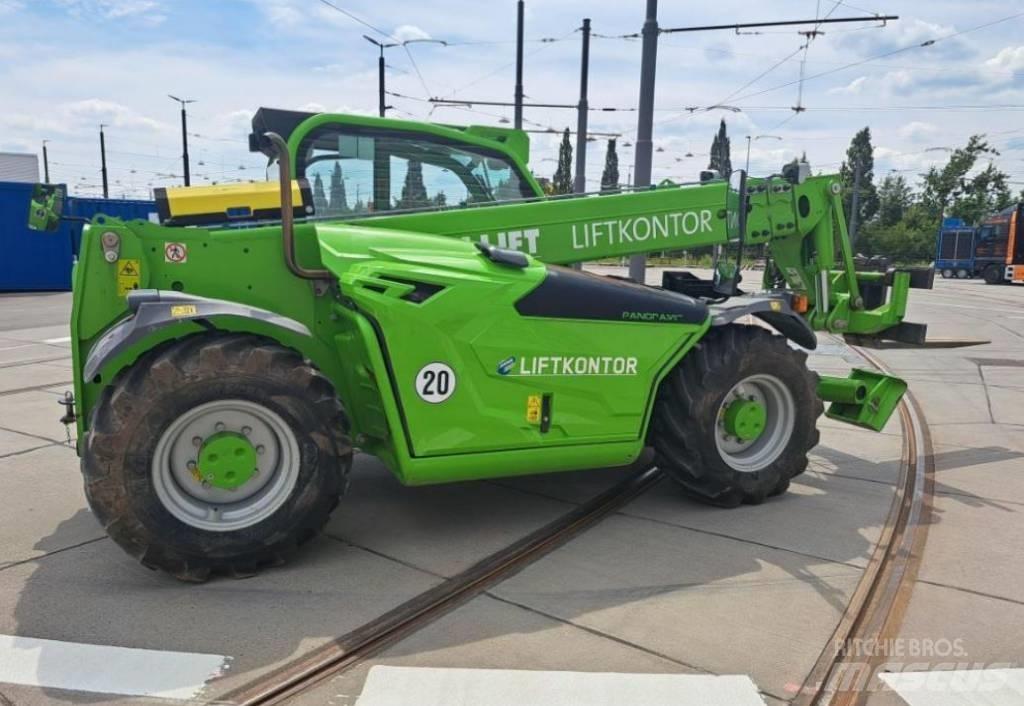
<point>422,292</point>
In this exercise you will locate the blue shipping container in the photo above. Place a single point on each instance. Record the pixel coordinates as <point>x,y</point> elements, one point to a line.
<point>30,260</point>
<point>34,261</point>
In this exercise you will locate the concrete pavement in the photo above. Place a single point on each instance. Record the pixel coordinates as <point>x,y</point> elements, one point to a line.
<point>664,586</point>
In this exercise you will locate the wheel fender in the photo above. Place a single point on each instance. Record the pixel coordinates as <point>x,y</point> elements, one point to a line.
<point>154,309</point>
<point>774,311</point>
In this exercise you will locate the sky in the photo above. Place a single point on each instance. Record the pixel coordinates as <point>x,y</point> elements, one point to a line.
<point>70,65</point>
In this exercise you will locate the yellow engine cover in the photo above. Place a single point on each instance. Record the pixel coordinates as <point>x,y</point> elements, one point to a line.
<point>229,203</point>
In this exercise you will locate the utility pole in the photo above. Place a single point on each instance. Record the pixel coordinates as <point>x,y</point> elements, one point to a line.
<point>46,164</point>
<point>580,183</point>
<point>184,136</point>
<point>103,161</point>
<point>854,207</point>
<point>518,100</point>
<point>381,107</point>
<point>645,121</point>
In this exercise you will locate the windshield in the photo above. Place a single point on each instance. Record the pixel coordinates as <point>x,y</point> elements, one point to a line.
<point>354,170</point>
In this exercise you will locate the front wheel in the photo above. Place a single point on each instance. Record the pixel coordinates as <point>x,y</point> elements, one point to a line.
<point>217,453</point>
<point>735,419</point>
<point>993,274</point>
<point>947,273</point>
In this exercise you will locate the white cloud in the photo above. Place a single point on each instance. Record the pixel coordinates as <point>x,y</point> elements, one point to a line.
<point>404,33</point>
<point>149,12</point>
<point>853,88</point>
<point>917,130</point>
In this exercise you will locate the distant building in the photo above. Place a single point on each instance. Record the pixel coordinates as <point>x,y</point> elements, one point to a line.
<point>20,167</point>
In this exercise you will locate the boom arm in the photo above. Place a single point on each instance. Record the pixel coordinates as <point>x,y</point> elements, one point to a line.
<point>800,225</point>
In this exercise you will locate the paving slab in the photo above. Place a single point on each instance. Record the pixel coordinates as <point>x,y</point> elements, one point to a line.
<point>443,529</point>
<point>956,630</point>
<point>36,412</point>
<point>1007,405</point>
<point>693,597</point>
<point>980,460</point>
<point>28,376</point>
<point>21,310</point>
<point>487,633</point>
<point>14,353</point>
<point>42,490</point>
<point>55,334</point>
<point>973,543</point>
<point>12,442</point>
<point>96,594</point>
<point>823,515</point>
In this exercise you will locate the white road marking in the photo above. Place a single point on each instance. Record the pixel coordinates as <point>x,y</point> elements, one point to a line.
<point>62,339</point>
<point>958,687</point>
<point>106,669</point>
<point>411,686</point>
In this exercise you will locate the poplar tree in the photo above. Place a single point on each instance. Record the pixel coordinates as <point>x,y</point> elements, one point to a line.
<point>610,175</point>
<point>562,180</point>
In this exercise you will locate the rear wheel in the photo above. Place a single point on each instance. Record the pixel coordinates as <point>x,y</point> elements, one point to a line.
<point>947,273</point>
<point>735,419</point>
<point>962,274</point>
<point>217,453</point>
<point>993,274</point>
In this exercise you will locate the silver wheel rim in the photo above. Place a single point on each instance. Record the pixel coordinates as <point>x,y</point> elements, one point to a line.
<point>780,420</point>
<point>216,509</point>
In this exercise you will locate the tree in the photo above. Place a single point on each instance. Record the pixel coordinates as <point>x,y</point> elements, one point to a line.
<point>414,192</point>
<point>895,197</point>
<point>339,202</point>
<point>562,180</point>
<point>720,160</point>
<point>860,154</point>
<point>320,206</point>
<point>948,190</point>
<point>610,175</point>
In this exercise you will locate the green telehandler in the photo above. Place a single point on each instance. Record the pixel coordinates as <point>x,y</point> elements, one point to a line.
<point>401,289</point>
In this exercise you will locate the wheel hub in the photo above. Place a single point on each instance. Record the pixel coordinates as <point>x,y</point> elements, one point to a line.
<point>225,465</point>
<point>227,460</point>
<point>745,419</point>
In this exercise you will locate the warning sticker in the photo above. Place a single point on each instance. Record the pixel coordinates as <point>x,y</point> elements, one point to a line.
<point>176,253</point>
<point>533,409</point>
<point>184,310</point>
<point>128,274</point>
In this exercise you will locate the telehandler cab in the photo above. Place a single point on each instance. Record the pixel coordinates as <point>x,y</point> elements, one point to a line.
<point>229,359</point>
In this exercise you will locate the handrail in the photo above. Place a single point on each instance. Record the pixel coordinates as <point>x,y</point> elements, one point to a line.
<point>288,212</point>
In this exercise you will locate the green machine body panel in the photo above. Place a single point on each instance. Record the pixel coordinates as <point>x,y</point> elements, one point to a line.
<point>407,295</point>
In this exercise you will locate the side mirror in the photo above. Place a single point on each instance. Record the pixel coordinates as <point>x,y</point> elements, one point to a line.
<point>46,207</point>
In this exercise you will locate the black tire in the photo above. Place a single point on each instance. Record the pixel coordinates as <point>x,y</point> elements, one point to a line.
<point>992,274</point>
<point>947,273</point>
<point>686,415</point>
<point>146,398</point>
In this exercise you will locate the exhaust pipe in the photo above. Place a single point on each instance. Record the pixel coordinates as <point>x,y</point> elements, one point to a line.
<point>288,211</point>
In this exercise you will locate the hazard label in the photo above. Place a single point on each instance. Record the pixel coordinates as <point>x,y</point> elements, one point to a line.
<point>128,274</point>
<point>533,409</point>
<point>176,253</point>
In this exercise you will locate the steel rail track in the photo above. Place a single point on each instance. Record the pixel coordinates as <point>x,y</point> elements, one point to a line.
<point>369,639</point>
<point>875,613</point>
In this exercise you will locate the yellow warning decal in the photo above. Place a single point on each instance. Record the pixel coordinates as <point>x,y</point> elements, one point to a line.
<point>128,274</point>
<point>184,310</point>
<point>533,409</point>
<point>775,305</point>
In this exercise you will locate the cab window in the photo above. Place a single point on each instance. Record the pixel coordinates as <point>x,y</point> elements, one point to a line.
<point>355,170</point>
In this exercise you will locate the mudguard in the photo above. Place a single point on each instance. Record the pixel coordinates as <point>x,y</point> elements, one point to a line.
<point>153,309</point>
<point>774,311</point>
